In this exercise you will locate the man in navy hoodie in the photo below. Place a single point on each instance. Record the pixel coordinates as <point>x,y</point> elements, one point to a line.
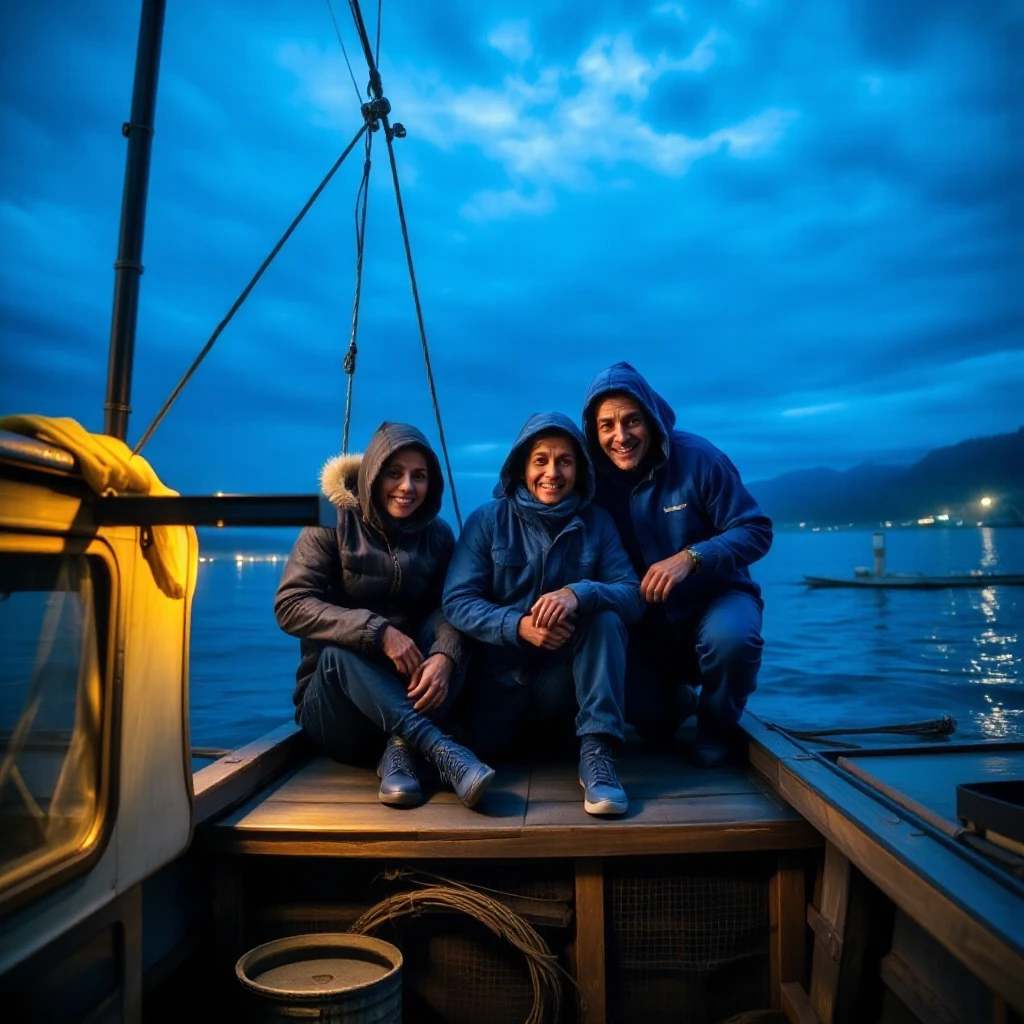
<point>691,530</point>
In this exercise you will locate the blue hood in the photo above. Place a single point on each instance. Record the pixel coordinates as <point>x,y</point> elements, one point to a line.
<point>623,377</point>
<point>543,423</point>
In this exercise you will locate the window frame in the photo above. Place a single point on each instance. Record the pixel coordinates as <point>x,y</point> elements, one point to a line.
<point>61,866</point>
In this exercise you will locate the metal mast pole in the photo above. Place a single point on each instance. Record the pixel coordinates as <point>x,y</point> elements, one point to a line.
<point>128,268</point>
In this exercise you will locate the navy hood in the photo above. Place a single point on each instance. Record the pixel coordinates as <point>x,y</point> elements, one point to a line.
<point>538,424</point>
<point>624,378</point>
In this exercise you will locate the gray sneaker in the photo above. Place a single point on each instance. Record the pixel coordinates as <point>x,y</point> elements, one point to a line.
<point>399,782</point>
<point>602,792</point>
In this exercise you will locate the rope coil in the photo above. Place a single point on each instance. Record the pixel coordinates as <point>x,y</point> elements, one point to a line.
<point>443,895</point>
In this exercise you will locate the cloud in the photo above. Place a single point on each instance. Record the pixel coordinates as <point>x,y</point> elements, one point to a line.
<point>512,40</point>
<point>482,448</point>
<point>815,410</point>
<point>562,125</point>
<point>674,10</point>
<point>801,221</point>
<point>491,205</point>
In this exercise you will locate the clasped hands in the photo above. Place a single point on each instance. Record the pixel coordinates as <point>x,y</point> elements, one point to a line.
<point>550,621</point>
<point>428,677</point>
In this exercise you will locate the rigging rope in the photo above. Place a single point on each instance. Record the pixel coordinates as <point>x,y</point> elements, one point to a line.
<point>349,362</point>
<point>944,726</point>
<point>374,113</point>
<point>341,42</point>
<point>376,56</point>
<point>380,108</point>
<point>245,293</point>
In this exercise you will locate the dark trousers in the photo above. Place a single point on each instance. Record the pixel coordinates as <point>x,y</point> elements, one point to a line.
<point>518,700</point>
<point>707,667</point>
<point>355,701</point>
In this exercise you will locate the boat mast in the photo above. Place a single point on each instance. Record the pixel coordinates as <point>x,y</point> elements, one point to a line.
<point>128,268</point>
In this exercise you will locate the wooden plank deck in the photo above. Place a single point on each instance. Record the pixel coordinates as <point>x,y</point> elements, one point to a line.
<point>328,809</point>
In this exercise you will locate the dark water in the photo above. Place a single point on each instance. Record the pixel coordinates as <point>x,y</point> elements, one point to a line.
<point>831,657</point>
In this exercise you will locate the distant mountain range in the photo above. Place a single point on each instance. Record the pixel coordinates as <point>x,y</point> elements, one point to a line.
<point>947,481</point>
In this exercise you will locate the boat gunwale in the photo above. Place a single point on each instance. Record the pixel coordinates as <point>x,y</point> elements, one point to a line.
<point>241,773</point>
<point>828,799</point>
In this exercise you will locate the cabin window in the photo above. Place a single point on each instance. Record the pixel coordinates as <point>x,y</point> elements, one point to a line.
<point>54,614</point>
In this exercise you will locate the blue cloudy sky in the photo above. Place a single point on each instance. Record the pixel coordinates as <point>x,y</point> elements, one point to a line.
<point>802,220</point>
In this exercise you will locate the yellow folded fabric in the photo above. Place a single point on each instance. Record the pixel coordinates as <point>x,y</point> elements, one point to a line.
<point>110,468</point>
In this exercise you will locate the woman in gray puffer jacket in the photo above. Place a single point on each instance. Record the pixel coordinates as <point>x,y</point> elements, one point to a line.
<point>378,660</point>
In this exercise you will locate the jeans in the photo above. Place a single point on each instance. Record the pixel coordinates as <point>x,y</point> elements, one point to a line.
<point>718,653</point>
<point>355,701</point>
<point>545,693</point>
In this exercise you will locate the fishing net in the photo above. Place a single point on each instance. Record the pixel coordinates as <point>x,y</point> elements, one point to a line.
<point>688,939</point>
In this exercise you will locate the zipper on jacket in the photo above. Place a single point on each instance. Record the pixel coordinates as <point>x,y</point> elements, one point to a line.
<point>396,583</point>
<point>632,498</point>
<point>574,525</point>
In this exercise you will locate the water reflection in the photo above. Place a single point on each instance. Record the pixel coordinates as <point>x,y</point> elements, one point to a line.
<point>995,663</point>
<point>989,558</point>
<point>988,603</point>
<point>998,723</point>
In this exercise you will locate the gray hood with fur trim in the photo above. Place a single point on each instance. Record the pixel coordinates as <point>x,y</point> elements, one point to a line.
<point>347,481</point>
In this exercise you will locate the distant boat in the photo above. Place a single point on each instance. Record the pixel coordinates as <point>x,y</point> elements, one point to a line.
<point>880,579</point>
<point>901,581</point>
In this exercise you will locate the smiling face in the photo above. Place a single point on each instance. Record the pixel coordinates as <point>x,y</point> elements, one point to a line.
<point>623,431</point>
<point>403,483</point>
<point>550,473</point>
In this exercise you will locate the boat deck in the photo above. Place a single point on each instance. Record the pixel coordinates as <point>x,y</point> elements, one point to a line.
<point>531,810</point>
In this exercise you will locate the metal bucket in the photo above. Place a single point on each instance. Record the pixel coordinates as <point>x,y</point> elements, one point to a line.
<point>331,978</point>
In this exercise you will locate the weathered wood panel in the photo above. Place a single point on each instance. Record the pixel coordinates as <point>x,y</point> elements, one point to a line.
<point>835,890</point>
<point>786,902</point>
<point>245,771</point>
<point>590,952</point>
<point>972,915</point>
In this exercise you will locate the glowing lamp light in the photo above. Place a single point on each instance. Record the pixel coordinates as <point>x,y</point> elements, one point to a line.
<point>986,501</point>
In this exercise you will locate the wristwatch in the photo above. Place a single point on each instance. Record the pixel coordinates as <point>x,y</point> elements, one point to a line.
<point>695,558</point>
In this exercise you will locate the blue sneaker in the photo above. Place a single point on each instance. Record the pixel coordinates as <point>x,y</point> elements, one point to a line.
<point>461,769</point>
<point>602,792</point>
<point>399,782</point>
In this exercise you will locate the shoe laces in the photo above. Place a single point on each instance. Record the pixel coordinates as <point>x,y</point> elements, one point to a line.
<point>600,767</point>
<point>398,758</point>
<point>451,764</point>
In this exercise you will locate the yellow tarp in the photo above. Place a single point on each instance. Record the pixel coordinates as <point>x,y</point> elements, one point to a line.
<point>110,468</point>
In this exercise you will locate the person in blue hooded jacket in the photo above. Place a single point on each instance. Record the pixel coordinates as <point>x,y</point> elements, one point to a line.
<point>540,581</point>
<point>691,529</point>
